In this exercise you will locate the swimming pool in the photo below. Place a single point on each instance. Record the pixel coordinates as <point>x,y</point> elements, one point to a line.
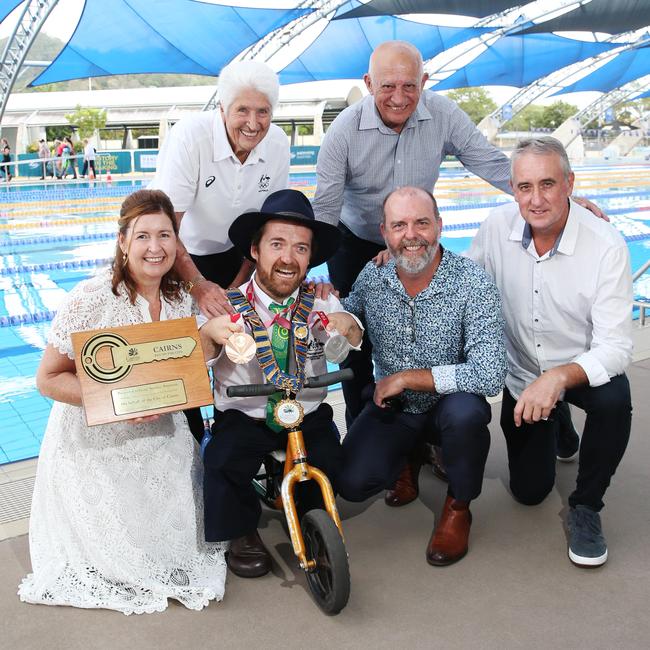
<point>53,236</point>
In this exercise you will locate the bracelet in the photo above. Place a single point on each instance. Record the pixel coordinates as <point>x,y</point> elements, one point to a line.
<point>190,284</point>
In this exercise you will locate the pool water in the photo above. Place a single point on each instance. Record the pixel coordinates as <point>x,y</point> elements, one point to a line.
<point>54,235</point>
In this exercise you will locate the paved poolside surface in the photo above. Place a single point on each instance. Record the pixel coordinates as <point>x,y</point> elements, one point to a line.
<point>515,589</point>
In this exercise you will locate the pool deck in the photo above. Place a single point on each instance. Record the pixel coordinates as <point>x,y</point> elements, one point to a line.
<point>515,589</point>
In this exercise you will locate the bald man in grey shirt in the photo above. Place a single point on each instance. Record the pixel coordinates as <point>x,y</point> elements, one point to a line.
<point>397,136</point>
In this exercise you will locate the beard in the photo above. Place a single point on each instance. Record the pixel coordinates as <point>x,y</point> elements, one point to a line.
<point>276,286</point>
<point>411,264</point>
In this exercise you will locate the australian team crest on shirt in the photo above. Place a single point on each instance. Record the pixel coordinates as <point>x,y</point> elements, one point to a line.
<point>264,183</point>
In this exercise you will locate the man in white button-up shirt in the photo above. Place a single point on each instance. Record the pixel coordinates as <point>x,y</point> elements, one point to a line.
<point>566,288</point>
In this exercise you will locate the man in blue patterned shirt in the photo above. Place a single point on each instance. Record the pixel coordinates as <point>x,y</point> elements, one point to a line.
<point>434,321</point>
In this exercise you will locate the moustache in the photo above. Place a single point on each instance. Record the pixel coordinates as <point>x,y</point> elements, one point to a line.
<point>414,242</point>
<point>292,268</point>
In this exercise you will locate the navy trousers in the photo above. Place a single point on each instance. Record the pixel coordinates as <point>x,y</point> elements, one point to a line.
<point>233,457</point>
<point>531,447</point>
<point>344,268</point>
<point>379,442</point>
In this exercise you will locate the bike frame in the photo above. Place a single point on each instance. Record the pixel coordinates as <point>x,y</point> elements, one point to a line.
<point>297,470</point>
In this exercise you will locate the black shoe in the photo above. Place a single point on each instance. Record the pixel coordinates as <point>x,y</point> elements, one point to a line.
<point>587,546</point>
<point>567,440</point>
<point>248,557</point>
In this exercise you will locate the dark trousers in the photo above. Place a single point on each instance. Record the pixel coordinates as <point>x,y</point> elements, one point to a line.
<point>220,268</point>
<point>344,268</point>
<point>91,164</point>
<point>531,447</point>
<point>233,457</point>
<point>379,442</point>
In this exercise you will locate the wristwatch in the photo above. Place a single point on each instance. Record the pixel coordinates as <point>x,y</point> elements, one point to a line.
<point>188,285</point>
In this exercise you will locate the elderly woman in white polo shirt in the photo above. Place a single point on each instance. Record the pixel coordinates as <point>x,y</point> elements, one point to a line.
<point>216,165</point>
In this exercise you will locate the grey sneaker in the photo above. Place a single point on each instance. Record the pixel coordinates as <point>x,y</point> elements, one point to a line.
<point>567,440</point>
<point>587,546</point>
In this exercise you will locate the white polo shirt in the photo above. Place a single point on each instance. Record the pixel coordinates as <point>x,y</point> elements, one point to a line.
<point>573,304</point>
<point>226,373</point>
<point>204,179</point>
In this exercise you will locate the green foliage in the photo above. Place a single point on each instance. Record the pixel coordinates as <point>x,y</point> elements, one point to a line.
<point>33,147</point>
<point>87,120</point>
<point>474,101</point>
<point>557,113</point>
<point>57,132</point>
<point>136,133</point>
<point>540,117</point>
<point>531,117</point>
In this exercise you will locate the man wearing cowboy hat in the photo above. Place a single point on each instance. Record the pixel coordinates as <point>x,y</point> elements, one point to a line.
<point>284,240</point>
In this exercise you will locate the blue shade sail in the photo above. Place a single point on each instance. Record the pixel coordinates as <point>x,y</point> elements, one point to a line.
<point>626,67</point>
<point>609,16</point>
<point>478,8</point>
<point>173,36</point>
<point>520,60</point>
<point>343,48</point>
<point>7,6</point>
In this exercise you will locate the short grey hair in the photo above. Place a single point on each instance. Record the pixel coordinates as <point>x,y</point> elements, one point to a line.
<point>239,76</point>
<point>544,145</point>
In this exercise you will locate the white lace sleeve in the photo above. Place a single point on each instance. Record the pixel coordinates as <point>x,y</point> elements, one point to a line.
<point>81,310</point>
<point>93,305</point>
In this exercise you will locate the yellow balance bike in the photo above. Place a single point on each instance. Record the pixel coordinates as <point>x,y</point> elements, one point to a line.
<point>318,539</point>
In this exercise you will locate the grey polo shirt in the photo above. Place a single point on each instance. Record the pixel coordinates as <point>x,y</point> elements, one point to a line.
<point>361,160</point>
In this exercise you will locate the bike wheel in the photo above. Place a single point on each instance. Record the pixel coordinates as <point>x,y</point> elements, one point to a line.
<point>329,581</point>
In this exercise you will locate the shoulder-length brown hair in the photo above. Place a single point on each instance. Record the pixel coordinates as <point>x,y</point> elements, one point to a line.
<point>134,206</point>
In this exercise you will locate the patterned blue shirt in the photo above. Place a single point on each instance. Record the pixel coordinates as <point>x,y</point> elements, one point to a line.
<point>454,327</point>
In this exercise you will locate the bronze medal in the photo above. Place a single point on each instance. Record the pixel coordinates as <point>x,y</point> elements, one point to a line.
<point>240,348</point>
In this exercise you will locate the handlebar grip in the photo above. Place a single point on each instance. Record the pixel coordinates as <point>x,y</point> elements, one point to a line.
<point>251,390</point>
<point>318,381</point>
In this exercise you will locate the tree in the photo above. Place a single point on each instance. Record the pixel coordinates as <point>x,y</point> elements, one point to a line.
<point>529,118</point>
<point>87,120</point>
<point>557,113</point>
<point>474,101</point>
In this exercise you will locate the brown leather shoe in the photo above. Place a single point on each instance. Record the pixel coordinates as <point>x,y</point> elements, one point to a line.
<point>449,542</point>
<point>248,557</point>
<point>406,488</point>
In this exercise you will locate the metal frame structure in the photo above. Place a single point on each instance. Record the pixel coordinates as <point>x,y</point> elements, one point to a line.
<point>612,98</point>
<point>538,88</point>
<point>21,39</point>
<point>487,40</point>
<point>271,44</point>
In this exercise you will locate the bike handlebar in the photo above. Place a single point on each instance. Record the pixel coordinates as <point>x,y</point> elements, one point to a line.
<point>318,381</point>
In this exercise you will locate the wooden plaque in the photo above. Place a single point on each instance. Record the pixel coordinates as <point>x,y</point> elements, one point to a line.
<point>136,370</point>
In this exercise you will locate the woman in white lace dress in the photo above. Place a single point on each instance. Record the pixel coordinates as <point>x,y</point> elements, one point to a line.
<point>117,512</point>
